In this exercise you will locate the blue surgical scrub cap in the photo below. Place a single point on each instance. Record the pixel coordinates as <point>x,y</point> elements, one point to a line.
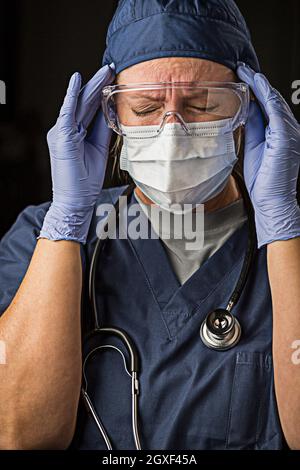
<point>149,29</point>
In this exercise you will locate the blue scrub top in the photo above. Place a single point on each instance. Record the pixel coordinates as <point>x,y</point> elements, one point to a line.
<point>191,397</point>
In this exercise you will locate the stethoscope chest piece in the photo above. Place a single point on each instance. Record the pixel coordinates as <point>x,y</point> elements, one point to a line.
<point>220,330</point>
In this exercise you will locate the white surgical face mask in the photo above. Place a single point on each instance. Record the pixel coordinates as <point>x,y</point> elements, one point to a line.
<point>176,168</point>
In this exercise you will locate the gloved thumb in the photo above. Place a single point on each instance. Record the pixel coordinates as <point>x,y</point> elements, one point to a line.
<point>255,127</point>
<point>100,135</point>
<point>254,144</point>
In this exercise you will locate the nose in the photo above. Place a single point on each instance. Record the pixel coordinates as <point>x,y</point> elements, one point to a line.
<point>173,117</point>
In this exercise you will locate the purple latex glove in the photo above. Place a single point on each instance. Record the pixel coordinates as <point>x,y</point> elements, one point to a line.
<point>271,163</point>
<point>77,163</point>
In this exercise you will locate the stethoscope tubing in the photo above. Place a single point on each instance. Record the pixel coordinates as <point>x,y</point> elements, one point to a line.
<point>124,337</point>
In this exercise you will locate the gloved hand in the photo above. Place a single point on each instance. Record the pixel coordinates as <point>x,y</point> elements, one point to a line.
<point>271,162</point>
<point>77,163</point>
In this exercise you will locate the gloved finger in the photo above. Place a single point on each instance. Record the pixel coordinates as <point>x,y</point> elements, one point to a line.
<point>66,118</point>
<point>277,109</point>
<point>90,95</point>
<point>272,103</point>
<point>246,74</point>
<point>101,134</point>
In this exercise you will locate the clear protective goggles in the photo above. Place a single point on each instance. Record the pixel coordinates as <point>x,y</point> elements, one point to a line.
<point>153,104</point>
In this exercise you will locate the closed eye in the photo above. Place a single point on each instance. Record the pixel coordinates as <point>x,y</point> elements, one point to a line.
<point>144,112</point>
<point>211,109</point>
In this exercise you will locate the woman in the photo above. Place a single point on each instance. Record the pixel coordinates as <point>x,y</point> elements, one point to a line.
<point>191,396</point>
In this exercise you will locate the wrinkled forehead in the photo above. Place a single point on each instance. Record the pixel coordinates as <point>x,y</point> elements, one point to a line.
<point>176,69</point>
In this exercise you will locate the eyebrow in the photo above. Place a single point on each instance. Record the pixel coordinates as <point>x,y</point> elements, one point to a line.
<point>149,97</point>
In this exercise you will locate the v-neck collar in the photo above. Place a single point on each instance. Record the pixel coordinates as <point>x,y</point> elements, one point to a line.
<point>179,302</point>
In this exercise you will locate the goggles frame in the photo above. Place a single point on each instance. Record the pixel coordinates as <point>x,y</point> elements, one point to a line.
<point>241,89</point>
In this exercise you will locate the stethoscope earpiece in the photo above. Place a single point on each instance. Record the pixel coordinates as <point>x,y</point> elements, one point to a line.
<point>220,330</point>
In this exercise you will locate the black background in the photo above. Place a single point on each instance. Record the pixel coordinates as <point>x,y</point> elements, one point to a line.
<point>43,42</point>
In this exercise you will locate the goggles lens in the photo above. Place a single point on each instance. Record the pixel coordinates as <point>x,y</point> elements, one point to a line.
<point>146,105</point>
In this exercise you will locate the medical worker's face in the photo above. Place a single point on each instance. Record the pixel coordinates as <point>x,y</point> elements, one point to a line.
<point>178,69</point>
<point>173,69</point>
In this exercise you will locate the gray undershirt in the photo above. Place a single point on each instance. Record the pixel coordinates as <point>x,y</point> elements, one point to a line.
<point>219,225</point>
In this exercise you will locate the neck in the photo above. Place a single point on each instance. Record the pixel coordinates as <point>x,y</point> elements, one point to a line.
<point>229,194</point>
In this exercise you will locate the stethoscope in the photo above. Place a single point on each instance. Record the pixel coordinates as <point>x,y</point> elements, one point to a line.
<point>219,331</point>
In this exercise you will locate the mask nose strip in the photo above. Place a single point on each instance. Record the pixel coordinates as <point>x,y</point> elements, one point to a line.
<point>179,117</point>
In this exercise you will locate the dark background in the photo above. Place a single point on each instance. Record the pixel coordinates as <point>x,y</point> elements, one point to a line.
<point>43,42</point>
